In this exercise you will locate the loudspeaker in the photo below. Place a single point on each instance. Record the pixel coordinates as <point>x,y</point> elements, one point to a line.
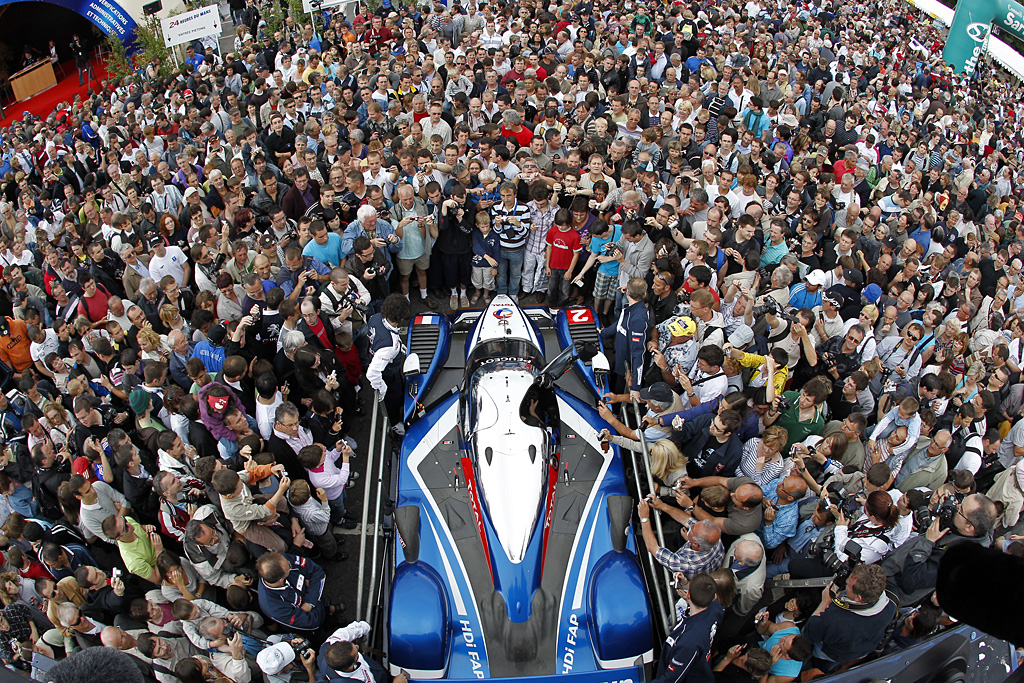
<point>152,8</point>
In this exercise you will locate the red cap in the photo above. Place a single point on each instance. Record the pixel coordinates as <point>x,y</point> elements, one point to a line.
<point>80,466</point>
<point>218,403</point>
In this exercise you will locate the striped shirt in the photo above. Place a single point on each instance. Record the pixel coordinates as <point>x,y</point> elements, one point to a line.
<point>540,223</point>
<point>512,233</point>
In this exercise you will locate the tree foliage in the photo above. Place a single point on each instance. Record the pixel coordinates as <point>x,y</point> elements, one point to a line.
<point>118,63</point>
<point>150,38</point>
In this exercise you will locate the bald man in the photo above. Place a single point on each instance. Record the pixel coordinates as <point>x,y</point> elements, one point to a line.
<point>747,561</point>
<point>701,553</point>
<point>781,513</point>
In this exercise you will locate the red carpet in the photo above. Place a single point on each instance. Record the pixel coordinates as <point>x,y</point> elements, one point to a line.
<point>45,102</point>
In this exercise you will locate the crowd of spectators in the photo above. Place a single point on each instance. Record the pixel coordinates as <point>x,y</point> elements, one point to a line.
<point>801,230</point>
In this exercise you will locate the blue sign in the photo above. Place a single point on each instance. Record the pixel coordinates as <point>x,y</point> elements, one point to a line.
<point>107,15</point>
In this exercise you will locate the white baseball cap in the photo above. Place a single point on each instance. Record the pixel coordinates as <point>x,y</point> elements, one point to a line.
<point>272,660</point>
<point>816,278</point>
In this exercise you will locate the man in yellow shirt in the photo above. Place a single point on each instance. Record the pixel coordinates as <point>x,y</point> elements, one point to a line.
<point>139,545</point>
<point>774,365</point>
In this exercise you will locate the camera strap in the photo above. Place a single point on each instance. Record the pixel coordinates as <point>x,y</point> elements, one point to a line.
<point>707,379</point>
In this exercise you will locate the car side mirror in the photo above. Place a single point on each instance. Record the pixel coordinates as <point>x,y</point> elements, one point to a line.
<point>410,369</point>
<point>412,365</point>
<point>599,364</point>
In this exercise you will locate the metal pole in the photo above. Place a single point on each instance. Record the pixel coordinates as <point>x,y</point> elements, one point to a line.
<point>366,501</point>
<point>662,607</point>
<point>658,531</point>
<point>377,516</point>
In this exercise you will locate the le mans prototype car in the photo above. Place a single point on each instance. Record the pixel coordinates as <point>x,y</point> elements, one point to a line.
<point>514,555</point>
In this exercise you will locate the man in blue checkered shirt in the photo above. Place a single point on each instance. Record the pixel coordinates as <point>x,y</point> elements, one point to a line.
<point>702,552</point>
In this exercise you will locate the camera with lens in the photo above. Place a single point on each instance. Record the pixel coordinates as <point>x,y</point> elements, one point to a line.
<point>190,498</point>
<point>847,503</point>
<point>784,404</point>
<point>842,568</point>
<point>945,511</point>
<point>769,307</point>
<point>684,298</point>
<point>351,300</point>
<point>219,262</point>
<point>292,235</point>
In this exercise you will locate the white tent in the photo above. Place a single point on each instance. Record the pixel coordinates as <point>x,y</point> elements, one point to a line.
<point>1006,56</point>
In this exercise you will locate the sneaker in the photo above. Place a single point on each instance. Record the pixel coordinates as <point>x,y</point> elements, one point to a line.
<point>464,301</point>
<point>454,302</point>
<point>541,297</point>
<point>431,303</point>
<point>348,524</point>
<point>350,441</point>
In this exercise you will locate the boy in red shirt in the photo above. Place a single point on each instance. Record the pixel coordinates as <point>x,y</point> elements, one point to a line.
<point>562,253</point>
<point>349,357</point>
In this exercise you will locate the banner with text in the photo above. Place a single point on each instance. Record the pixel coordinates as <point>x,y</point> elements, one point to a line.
<point>184,28</point>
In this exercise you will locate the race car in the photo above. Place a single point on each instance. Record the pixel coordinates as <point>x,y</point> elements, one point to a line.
<point>514,555</point>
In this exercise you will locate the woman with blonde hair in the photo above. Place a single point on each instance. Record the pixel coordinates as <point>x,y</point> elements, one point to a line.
<point>172,319</point>
<point>150,345</point>
<point>867,319</point>
<point>970,383</point>
<point>668,465</point>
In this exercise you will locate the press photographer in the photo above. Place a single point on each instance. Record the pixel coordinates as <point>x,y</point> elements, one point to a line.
<point>913,568</point>
<point>849,623</point>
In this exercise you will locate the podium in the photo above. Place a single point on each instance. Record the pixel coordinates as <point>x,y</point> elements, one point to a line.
<point>33,79</point>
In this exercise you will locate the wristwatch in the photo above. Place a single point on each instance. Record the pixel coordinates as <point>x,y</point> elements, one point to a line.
<point>689,509</point>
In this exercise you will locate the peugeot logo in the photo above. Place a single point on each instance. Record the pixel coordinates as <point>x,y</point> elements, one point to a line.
<point>977,31</point>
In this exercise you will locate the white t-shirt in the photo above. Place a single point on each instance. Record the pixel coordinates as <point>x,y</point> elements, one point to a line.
<point>265,416</point>
<point>40,350</point>
<point>172,263</point>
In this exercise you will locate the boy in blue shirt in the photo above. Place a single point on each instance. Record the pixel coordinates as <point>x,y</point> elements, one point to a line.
<point>607,279</point>
<point>486,251</point>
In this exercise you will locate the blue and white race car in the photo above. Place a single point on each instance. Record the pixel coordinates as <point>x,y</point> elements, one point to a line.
<point>514,555</point>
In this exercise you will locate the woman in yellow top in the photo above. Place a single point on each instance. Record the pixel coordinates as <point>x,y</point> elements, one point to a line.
<point>775,365</point>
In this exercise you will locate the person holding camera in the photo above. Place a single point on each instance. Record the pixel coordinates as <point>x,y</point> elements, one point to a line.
<point>277,660</point>
<point>300,273</point>
<point>800,413</point>
<point>851,622</point>
<point>369,265</point>
<point>901,360</point>
<point>912,570</point>
<point>839,355</point>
